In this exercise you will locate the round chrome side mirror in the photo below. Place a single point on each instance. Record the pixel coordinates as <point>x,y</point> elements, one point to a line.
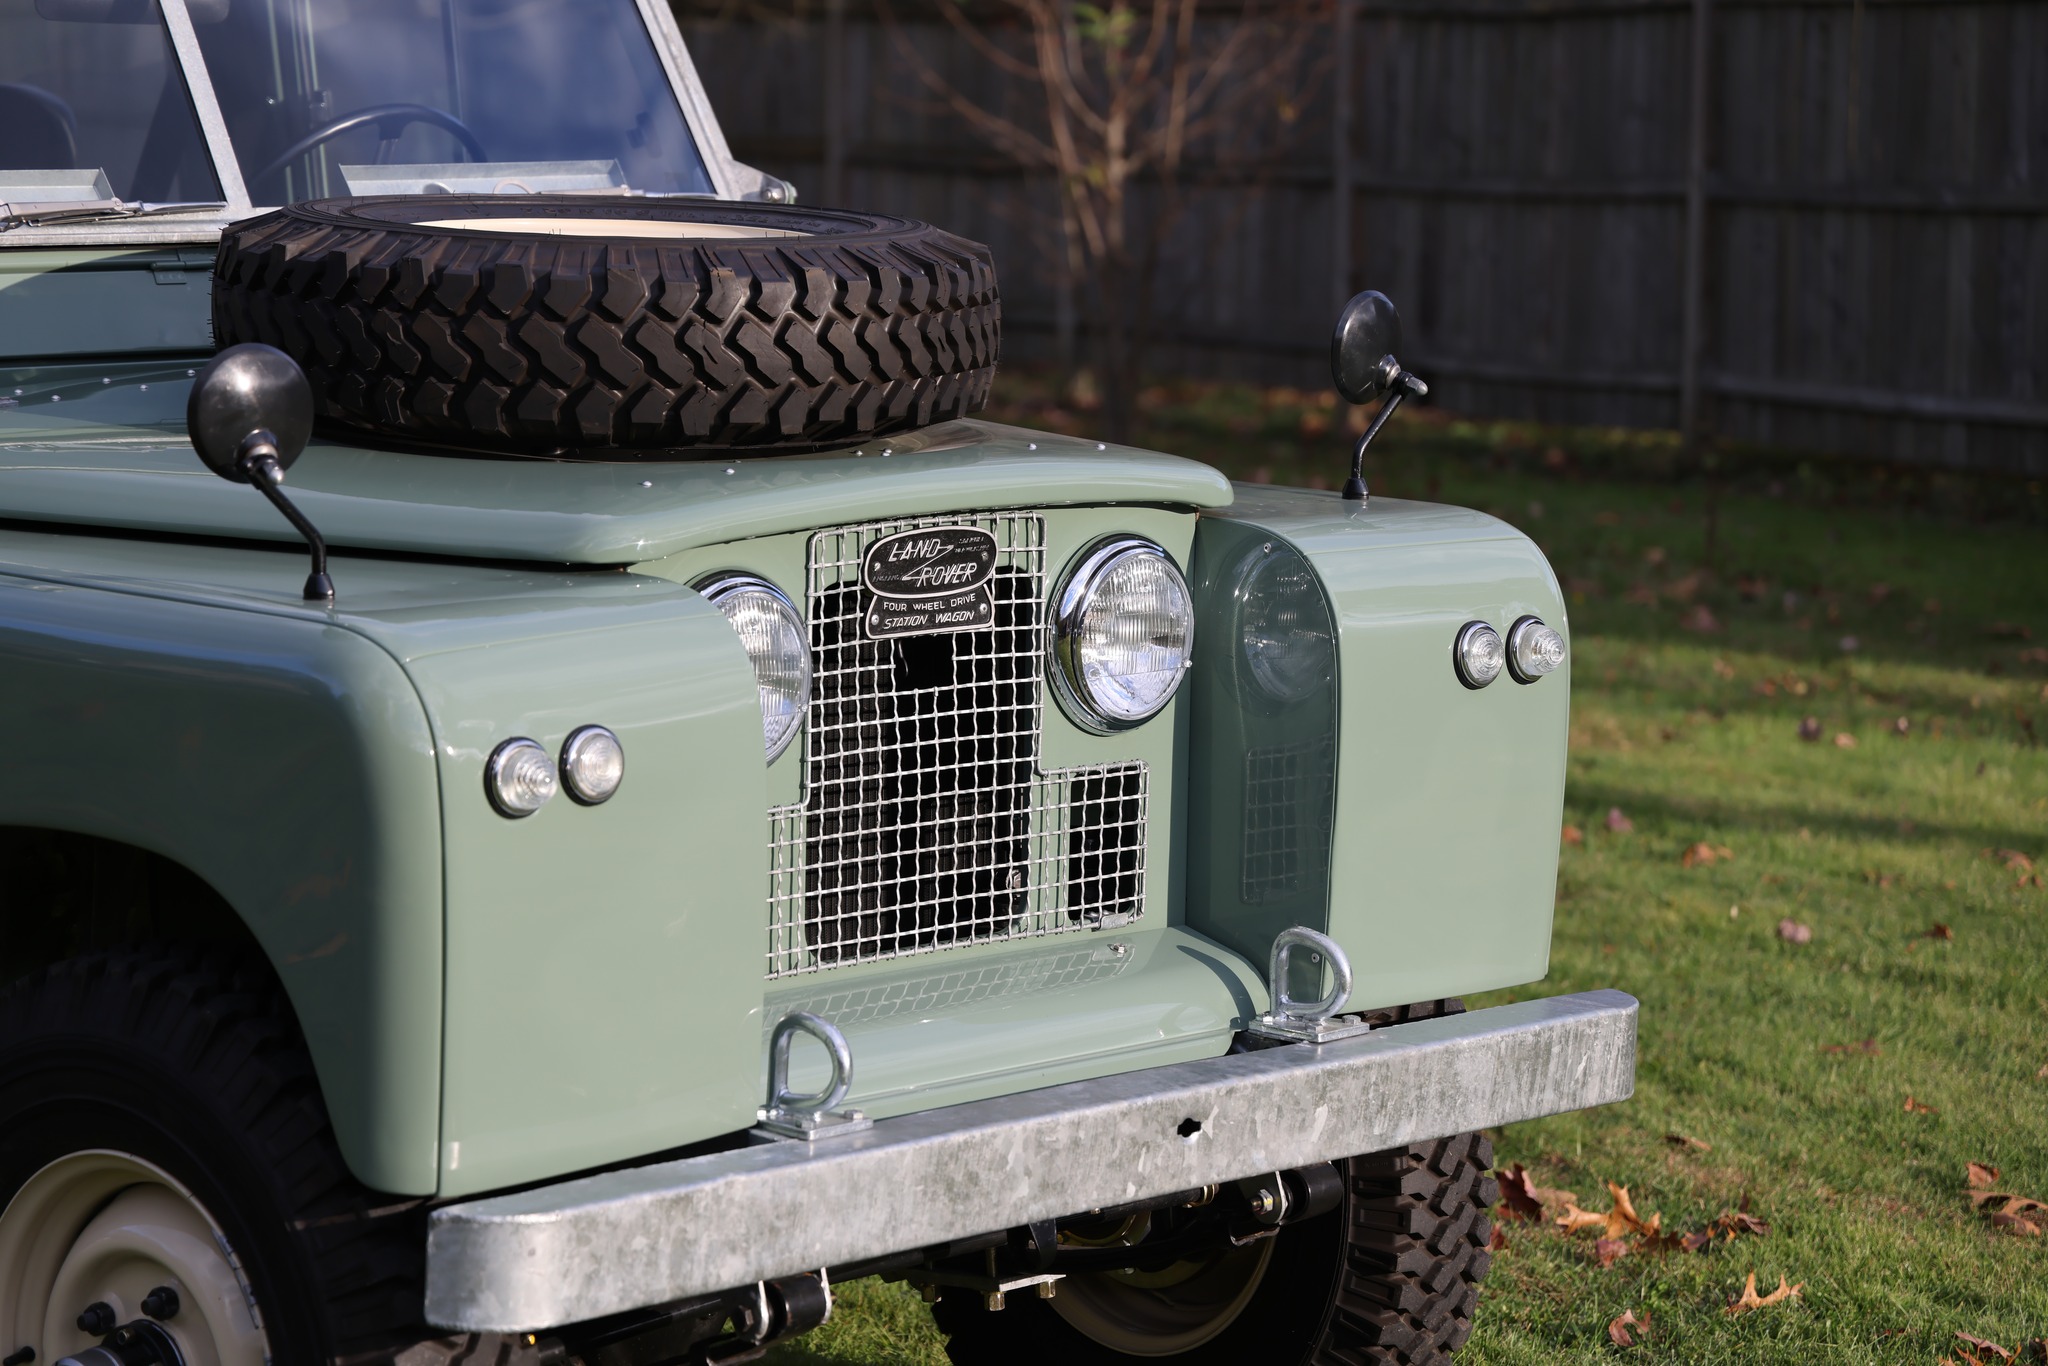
<point>249,395</point>
<point>1363,347</point>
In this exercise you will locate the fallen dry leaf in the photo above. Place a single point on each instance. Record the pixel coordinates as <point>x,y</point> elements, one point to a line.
<point>1696,1240</point>
<point>1844,740</point>
<point>1617,1329</point>
<point>1792,932</point>
<point>1732,1222</point>
<point>1609,1250</point>
<point>1618,823</point>
<point>2043,1073</point>
<point>1751,1300</point>
<point>1574,835</point>
<point>1939,931</point>
<point>1498,1240</point>
<point>1524,1199</point>
<point>1705,853</point>
<point>1809,729</point>
<point>1573,1219</point>
<point>1981,1345</point>
<point>2011,858</point>
<point>1914,1107</point>
<point>1865,1046</point>
<point>1980,1177</point>
<point>1902,726</point>
<point>1678,1140</point>
<point>1623,1219</point>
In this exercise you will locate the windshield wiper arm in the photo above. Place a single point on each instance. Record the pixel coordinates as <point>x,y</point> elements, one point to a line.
<point>84,211</point>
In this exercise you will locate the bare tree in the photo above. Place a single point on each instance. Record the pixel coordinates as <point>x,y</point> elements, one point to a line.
<point>1117,94</point>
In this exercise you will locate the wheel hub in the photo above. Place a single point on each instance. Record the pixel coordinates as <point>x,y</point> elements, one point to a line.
<point>107,1260</point>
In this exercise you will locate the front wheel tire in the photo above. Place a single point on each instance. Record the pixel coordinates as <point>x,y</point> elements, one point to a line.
<point>164,1130</point>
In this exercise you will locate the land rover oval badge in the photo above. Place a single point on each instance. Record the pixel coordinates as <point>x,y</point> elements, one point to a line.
<point>928,581</point>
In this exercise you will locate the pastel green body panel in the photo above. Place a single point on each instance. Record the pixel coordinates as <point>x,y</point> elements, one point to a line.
<point>282,758</point>
<point>92,444</point>
<point>1443,838</point>
<point>56,304</point>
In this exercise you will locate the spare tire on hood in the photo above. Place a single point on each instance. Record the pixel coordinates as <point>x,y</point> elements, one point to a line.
<point>577,326</point>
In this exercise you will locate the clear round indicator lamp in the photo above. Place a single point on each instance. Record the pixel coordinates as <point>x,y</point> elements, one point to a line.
<point>519,778</point>
<point>772,630</point>
<point>1123,634</point>
<point>1534,650</point>
<point>593,765</point>
<point>1479,654</point>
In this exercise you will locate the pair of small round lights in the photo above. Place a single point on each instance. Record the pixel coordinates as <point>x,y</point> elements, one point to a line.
<point>1530,651</point>
<point>521,777</point>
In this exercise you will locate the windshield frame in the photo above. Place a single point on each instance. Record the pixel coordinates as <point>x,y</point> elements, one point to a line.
<point>204,222</point>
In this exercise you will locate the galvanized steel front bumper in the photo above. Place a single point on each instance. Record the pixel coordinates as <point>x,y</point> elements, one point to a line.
<point>629,1239</point>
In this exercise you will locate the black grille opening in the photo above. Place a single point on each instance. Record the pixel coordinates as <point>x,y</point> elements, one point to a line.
<point>1106,844</point>
<point>922,756</point>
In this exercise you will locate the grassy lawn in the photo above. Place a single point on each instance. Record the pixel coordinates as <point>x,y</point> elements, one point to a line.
<point>1903,625</point>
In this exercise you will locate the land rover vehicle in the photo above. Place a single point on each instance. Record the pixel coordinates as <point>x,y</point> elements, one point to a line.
<point>718,818</point>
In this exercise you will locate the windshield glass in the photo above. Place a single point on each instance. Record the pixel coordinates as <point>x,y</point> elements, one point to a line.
<point>92,107</point>
<point>337,97</point>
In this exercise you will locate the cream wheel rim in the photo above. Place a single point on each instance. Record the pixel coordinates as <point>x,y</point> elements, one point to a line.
<point>107,1227</point>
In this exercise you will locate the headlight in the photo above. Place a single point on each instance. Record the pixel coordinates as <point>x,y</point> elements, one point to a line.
<point>773,633</point>
<point>1122,631</point>
<point>593,764</point>
<point>1478,654</point>
<point>519,778</point>
<point>1533,650</point>
<point>1288,644</point>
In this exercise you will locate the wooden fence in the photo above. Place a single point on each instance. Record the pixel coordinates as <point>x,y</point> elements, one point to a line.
<point>1817,224</point>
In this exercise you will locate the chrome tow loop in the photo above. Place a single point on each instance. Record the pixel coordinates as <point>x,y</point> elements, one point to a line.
<point>1316,1021</point>
<point>794,1114</point>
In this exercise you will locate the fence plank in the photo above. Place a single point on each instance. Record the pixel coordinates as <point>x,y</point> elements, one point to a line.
<point>1845,249</point>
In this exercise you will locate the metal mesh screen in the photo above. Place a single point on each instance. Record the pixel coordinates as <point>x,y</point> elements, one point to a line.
<point>926,820</point>
<point>1286,789</point>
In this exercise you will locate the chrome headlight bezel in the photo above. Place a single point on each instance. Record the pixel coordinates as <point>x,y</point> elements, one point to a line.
<point>719,589</point>
<point>1076,593</point>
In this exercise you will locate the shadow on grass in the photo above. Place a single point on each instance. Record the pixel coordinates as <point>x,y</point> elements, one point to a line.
<point>1684,816</point>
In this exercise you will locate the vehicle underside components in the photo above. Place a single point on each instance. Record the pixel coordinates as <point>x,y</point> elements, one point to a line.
<point>1376,1260</point>
<point>573,326</point>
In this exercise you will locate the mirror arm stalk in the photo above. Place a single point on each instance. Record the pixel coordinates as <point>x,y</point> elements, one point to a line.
<point>258,460</point>
<point>1403,385</point>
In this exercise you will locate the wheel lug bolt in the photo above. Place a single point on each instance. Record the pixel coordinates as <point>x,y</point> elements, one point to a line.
<point>161,1303</point>
<point>97,1319</point>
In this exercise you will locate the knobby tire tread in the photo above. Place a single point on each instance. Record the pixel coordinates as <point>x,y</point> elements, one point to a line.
<point>219,1028</point>
<point>568,345</point>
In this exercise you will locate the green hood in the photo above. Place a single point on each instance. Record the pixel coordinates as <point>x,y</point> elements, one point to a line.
<point>105,446</point>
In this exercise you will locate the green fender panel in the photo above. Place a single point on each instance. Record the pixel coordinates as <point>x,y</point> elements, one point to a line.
<point>1414,819</point>
<point>288,763</point>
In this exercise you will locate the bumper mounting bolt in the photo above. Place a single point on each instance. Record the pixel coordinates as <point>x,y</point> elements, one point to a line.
<point>994,1300</point>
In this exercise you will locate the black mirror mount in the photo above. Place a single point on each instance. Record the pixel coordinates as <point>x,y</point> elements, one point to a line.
<point>1364,367</point>
<point>249,416</point>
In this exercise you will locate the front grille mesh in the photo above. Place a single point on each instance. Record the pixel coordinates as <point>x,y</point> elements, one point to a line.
<point>926,820</point>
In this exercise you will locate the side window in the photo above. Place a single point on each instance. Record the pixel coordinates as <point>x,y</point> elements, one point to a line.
<point>92,106</point>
